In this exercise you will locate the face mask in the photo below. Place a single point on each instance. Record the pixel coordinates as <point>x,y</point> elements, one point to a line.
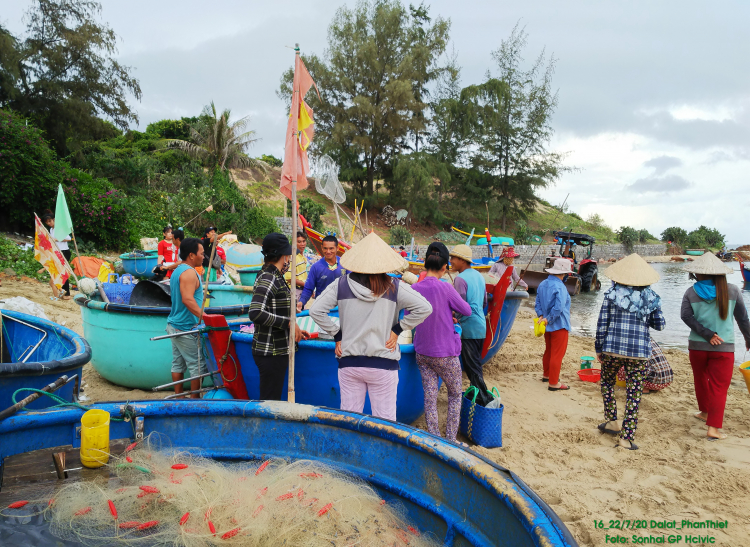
<point>285,267</point>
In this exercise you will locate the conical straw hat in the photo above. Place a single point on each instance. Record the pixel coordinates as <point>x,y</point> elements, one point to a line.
<point>632,270</point>
<point>372,255</point>
<point>707,264</point>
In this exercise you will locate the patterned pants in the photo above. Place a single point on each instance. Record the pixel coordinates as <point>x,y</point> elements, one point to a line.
<point>634,370</point>
<point>449,369</point>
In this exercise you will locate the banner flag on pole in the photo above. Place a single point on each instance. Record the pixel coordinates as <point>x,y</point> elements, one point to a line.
<point>63,222</point>
<point>48,255</point>
<point>302,114</point>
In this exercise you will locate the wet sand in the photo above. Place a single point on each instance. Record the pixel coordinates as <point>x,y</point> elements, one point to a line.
<point>551,441</point>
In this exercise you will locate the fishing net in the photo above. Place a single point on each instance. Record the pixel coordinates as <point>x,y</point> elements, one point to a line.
<point>164,496</point>
<point>326,175</point>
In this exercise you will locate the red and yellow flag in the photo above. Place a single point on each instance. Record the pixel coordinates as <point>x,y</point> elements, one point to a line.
<point>299,132</point>
<point>48,255</point>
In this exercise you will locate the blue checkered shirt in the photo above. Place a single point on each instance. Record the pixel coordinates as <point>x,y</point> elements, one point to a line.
<point>620,332</point>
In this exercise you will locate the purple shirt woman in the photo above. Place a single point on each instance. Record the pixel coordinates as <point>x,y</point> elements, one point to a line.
<point>437,343</point>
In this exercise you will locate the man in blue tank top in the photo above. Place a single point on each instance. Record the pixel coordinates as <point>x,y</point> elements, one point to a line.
<point>471,286</point>
<point>187,299</point>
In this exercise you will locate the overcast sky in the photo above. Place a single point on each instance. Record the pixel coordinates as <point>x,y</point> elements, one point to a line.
<point>654,97</point>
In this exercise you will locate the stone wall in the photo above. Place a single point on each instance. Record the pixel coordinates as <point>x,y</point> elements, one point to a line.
<point>285,225</point>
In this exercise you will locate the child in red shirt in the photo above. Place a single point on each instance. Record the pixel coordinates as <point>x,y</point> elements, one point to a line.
<point>167,251</point>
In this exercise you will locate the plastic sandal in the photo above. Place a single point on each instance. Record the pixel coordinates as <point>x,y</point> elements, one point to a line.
<point>603,428</point>
<point>562,387</point>
<point>632,446</point>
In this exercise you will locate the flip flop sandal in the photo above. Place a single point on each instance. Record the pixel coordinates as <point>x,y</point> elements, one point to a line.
<point>563,387</point>
<point>545,379</point>
<point>53,298</point>
<point>712,439</point>
<point>603,428</point>
<point>632,446</point>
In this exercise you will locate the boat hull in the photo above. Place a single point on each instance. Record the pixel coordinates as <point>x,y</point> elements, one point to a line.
<point>61,352</point>
<point>119,337</point>
<point>458,495</point>
<point>315,238</point>
<point>513,301</point>
<point>533,279</point>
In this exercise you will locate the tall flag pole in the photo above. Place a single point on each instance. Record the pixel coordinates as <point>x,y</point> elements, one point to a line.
<point>299,135</point>
<point>63,221</point>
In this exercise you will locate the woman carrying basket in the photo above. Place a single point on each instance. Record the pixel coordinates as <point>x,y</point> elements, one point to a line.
<point>710,308</point>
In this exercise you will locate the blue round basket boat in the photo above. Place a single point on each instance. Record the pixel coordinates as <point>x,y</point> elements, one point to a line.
<point>36,352</point>
<point>459,496</point>
<point>140,266</point>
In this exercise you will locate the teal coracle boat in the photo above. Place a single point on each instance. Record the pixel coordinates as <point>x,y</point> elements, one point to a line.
<point>119,338</point>
<point>694,252</point>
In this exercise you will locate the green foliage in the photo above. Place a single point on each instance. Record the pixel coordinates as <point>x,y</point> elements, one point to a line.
<point>399,235</point>
<point>311,210</point>
<point>628,237</point>
<point>29,172</point>
<point>704,237</point>
<point>596,220</point>
<point>20,260</point>
<point>644,236</point>
<point>414,177</point>
<point>258,224</point>
<point>171,129</point>
<point>273,161</point>
<point>99,211</point>
<point>523,234</point>
<point>575,215</point>
<point>62,74</point>
<point>379,59</point>
<point>675,234</point>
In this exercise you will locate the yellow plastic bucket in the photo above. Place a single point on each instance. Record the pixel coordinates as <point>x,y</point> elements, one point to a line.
<point>95,438</point>
<point>745,370</point>
<point>539,327</point>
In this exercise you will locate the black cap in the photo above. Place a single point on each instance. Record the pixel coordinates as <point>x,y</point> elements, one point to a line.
<point>438,248</point>
<point>276,244</point>
<point>205,232</point>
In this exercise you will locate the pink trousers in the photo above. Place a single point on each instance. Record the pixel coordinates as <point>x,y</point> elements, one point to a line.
<point>357,382</point>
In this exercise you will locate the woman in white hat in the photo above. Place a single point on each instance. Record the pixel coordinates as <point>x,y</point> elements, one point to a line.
<point>366,336</point>
<point>708,308</point>
<point>629,309</point>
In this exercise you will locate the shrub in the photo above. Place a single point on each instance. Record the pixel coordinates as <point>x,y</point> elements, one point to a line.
<point>311,210</point>
<point>628,237</point>
<point>596,221</point>
<point>273,161</point>
<point>644,236</point>
<point>399,235</point>
<point>20,260</point>
<point>674,234</point>
<point>29,172</point>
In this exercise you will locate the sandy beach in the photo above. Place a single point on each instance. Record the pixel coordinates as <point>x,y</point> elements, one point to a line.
<point>551,440</point>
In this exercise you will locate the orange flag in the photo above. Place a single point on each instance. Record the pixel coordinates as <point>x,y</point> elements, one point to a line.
<point>301,121</point>
<point>48,255</point>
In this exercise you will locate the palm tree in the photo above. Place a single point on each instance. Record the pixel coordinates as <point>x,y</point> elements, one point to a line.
<point>219,143</point>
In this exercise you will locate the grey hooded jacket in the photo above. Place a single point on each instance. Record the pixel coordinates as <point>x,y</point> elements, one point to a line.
<point>366,321</point>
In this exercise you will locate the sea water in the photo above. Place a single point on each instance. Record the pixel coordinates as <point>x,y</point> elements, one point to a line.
<point>584,307</point>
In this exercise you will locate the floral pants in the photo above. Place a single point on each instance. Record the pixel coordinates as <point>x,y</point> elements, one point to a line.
<point>449,369</point>
<point>634,370</point>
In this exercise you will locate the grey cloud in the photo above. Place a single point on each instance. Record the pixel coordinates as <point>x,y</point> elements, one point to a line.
<point>662,164</point>
<point>661,185</point>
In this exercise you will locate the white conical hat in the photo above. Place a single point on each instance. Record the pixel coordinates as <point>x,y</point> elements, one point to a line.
<point>707,264</point>
<point>372,255</point>
<point>632,270</point>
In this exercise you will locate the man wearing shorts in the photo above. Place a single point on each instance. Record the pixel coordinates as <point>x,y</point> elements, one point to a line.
<point>187,297</point>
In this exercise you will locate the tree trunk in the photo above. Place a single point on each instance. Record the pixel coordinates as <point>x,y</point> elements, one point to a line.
<point>370,179</point>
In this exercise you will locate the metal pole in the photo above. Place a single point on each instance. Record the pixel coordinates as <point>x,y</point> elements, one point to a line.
<point>176,334</point>
<point>186,393</point>
<point>170,384</point>
<point>208,274</point>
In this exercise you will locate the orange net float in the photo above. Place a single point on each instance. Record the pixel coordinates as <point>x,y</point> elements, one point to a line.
<point>18,504</point>
<point>325,509</point>
<point>287,496</point>
<point>112,509</point>
<point>262,493</point>
<point>180,466</point>
<point>131,446</point>
<point>184,518</point>
<point>212,527</point>
<point>257,511</point>
<point>82,512</point>
<point>231,533</point>
<point>147,525</point>
<point>262,467</point>
<point>149,489</point>
<point>129,524</point>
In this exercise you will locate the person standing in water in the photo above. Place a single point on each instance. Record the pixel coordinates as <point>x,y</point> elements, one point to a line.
<point>187,298</point>
<point>322,273</point>
<point>710,307</point>
<point>471,287</point>
<point>553,308</point>
<point>629,310</point>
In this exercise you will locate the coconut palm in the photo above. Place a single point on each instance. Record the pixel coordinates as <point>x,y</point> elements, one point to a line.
<point>221,144</point>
